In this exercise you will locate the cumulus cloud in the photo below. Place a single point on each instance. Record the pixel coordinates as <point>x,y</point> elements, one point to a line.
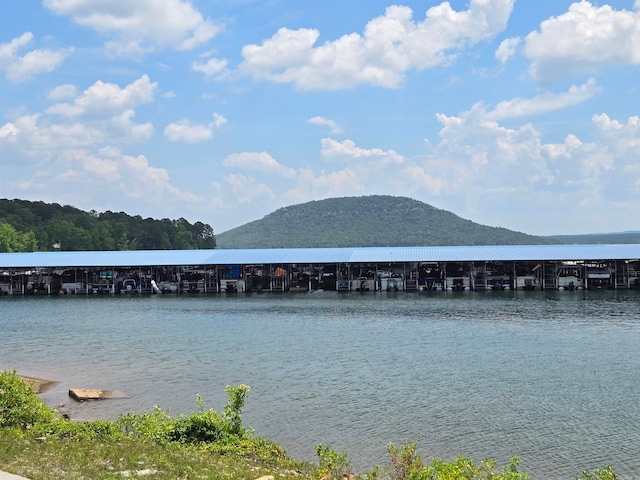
<point>333,127</point>
<point>479,162</point>
<point>141,25</point>
<point>191,132</point>
<point>23,68</point>
<point>8,131</point>
<point>348,151</point>
<point>548,102</point>
<point>476,163</point>
<point>391,45</point>
<point>507,49</point>
<point>103,180</point>
<point>214,67</point>
<point>258,161</point>
<point>101,115</point>
<point>62,92</point>
<point>38,135</point>
<point>583,40</point>
<point>76,146</point>
<point>106,99</point>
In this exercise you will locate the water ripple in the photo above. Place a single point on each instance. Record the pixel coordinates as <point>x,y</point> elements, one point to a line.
<point>551,377</point>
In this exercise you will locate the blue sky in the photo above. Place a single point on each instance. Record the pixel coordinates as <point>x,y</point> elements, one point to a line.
<point>522,114</point>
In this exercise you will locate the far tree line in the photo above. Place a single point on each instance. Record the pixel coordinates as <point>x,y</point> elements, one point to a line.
<point>37,226</point>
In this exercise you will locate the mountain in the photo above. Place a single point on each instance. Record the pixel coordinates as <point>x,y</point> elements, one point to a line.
<point>371,221</point>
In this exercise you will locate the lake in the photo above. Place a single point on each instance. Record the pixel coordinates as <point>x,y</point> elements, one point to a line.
<point>552,377</point>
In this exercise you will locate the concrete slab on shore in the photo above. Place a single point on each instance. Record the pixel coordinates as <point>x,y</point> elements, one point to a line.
<point>81,394</point>
<point>39,385</point>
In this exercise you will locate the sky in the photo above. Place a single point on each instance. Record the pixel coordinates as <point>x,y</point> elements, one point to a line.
<point>521,114</point>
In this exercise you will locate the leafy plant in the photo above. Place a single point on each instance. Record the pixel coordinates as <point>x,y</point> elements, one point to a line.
<point>406,464</point>
<point>20,406</point>
<point>155,425</point>
<point>404,460</point>
<point>231,413</point>
<point>204,426</point>
<point>332,464</point>
<point>599,474</point>
<point>201,427</point>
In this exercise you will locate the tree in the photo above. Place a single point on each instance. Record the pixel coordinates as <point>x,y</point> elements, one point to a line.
<point>13,241</point>
<point>40,224</point>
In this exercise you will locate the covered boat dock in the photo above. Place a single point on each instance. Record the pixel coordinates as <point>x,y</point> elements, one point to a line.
<point>502,267</point>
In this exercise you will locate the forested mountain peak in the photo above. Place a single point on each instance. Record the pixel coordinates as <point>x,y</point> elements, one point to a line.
<point>368,221</point>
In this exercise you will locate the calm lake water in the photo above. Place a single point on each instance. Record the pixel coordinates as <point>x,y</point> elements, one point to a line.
<point>552,377</point>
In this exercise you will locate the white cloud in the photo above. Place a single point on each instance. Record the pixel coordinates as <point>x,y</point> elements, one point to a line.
<point>141,24</point>
<point>258,161</point>
<point>191,132</point>
<point>422,181</point>
<point>348,151</point>
<point>334,128</point>
<point>22,68</point>
<point>246,190</point>
<point>548,102</point>
<point>507,49</point>
<point>391,45</point>
<point>102,115</point>
<point>106,99</point>
<point>235,192</point>
<point>62,92</point>
<point>80,163</point>
<point>214,67</point>
<point>583,40</point>
<point>37,135</point>
<point>314,185</point>
<point>475,165</point>
<point>480,163</point>
<point>104,180</point>
<point>8,131</point>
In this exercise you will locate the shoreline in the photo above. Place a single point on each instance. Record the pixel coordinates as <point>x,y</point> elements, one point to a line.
<point>40,385</point>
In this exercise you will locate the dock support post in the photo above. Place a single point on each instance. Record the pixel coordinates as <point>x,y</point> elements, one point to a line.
<point>404,276</point>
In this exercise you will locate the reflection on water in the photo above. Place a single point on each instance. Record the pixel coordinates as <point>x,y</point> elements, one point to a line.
<point>549,376</point>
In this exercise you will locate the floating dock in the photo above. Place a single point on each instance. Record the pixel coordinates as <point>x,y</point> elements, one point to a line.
<point>409,269</point>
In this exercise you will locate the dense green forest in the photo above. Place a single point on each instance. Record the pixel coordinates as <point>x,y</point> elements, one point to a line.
<point>37,226</point>
<point>371,221</point>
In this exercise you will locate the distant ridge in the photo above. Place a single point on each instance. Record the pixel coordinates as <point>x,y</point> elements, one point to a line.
<point>369,221</point>
<point>599,238</point>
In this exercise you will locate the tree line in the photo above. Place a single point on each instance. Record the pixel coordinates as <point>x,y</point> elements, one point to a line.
<point>38,226</point>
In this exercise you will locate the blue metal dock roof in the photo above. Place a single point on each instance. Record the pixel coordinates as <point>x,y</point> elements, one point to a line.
<point>141,258</point>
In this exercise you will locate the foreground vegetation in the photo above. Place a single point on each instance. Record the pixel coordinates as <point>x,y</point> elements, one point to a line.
<point>39,444</point>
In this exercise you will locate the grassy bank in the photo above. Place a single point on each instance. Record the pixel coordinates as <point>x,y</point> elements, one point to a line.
<point>36,442</point>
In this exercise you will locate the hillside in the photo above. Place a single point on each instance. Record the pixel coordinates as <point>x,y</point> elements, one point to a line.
<point>371,221</point>
<point>38,226</point>
<point>598,238</point>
